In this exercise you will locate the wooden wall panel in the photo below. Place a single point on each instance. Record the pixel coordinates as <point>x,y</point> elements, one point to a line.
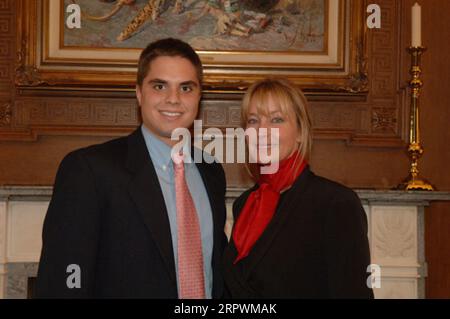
<point>349,113</point>
<point>436,136</point>
<point>7,54</point>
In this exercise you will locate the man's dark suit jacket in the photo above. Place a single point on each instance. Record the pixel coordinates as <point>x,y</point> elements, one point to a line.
<point>108,216</point>
<point>315,246</point>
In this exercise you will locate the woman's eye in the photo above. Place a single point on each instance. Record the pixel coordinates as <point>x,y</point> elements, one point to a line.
<point>277,120</point>
<point>251,121</point>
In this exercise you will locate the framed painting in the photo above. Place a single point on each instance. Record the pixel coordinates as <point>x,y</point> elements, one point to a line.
<point>319,44</point>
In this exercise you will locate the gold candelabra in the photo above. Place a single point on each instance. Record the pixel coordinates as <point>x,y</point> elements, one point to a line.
<point>415,149</point>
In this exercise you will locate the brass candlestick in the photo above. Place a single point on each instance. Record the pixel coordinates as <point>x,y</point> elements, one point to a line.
<point>415,149</point>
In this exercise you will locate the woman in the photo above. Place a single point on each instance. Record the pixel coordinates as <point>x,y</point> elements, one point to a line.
<point>296,235</point>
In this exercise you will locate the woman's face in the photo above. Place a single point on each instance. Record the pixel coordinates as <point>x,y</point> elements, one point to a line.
<point>268,141</point>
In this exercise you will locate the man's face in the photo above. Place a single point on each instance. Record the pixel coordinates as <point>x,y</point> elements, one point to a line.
<point>169,96</point>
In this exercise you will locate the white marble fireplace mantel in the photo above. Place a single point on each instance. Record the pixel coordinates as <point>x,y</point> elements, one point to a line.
<point>396,236</point>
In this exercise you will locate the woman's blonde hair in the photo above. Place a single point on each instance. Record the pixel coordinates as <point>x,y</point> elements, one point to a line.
<point>290,99</point>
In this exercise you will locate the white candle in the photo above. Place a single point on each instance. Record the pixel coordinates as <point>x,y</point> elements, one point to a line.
<point>416,26</point>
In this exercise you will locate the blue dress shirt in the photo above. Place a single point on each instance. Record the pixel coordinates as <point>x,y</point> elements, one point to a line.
<point>160,155</point>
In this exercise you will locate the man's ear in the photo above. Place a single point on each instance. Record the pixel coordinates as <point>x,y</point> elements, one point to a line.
<point>138,94</point>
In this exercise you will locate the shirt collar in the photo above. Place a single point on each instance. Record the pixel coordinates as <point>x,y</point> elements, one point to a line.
<point>158,150</point>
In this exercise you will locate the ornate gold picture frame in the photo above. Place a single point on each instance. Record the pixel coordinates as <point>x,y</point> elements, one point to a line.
<point>48,58</point>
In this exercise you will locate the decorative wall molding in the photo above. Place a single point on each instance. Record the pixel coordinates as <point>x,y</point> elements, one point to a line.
<point>76,112</point>
<point>26,74</point>
<point>385,120</point>
<point>6,25</point>
<point>372,117</point>
<point>6,6</point>
<point>5,114</point>
<point>7,48</point>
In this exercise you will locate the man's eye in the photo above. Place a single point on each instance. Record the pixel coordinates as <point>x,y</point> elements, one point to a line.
<point>158,87</point>
<point>277,120</point>
<point>186,88</point>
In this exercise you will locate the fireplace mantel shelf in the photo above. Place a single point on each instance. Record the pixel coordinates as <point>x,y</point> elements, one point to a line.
<point>366,195</point>
<point>381,195</point>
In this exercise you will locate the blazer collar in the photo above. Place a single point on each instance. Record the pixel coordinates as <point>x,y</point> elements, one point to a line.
<point>146,192</point>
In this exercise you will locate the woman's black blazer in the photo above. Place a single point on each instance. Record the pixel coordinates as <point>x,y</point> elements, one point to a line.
<point>315,246</point>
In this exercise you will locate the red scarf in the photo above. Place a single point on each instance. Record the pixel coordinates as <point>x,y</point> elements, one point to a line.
<point>262,203</point>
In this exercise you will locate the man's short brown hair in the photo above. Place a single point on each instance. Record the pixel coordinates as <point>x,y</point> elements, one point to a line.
<point>167,47</point>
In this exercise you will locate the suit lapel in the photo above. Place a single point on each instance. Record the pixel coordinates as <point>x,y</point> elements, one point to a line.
<point>146,192</point>
<point>276,224</point>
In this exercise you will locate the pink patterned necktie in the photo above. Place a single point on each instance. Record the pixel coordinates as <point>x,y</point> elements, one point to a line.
<point>190,255</point>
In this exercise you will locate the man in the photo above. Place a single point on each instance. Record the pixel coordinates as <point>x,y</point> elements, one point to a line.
<point>125,220</point>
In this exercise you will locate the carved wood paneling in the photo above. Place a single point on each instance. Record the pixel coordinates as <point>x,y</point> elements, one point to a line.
<point>6,6</point>
<point>385,97</point>
<point>220,114</point>
<point>384,120</point>
<point>6,24</point>
<point>368,119</point>
<point>6,49</point>
<point>7,52</point>
<point>46,114</point>
<point>5,114</point>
